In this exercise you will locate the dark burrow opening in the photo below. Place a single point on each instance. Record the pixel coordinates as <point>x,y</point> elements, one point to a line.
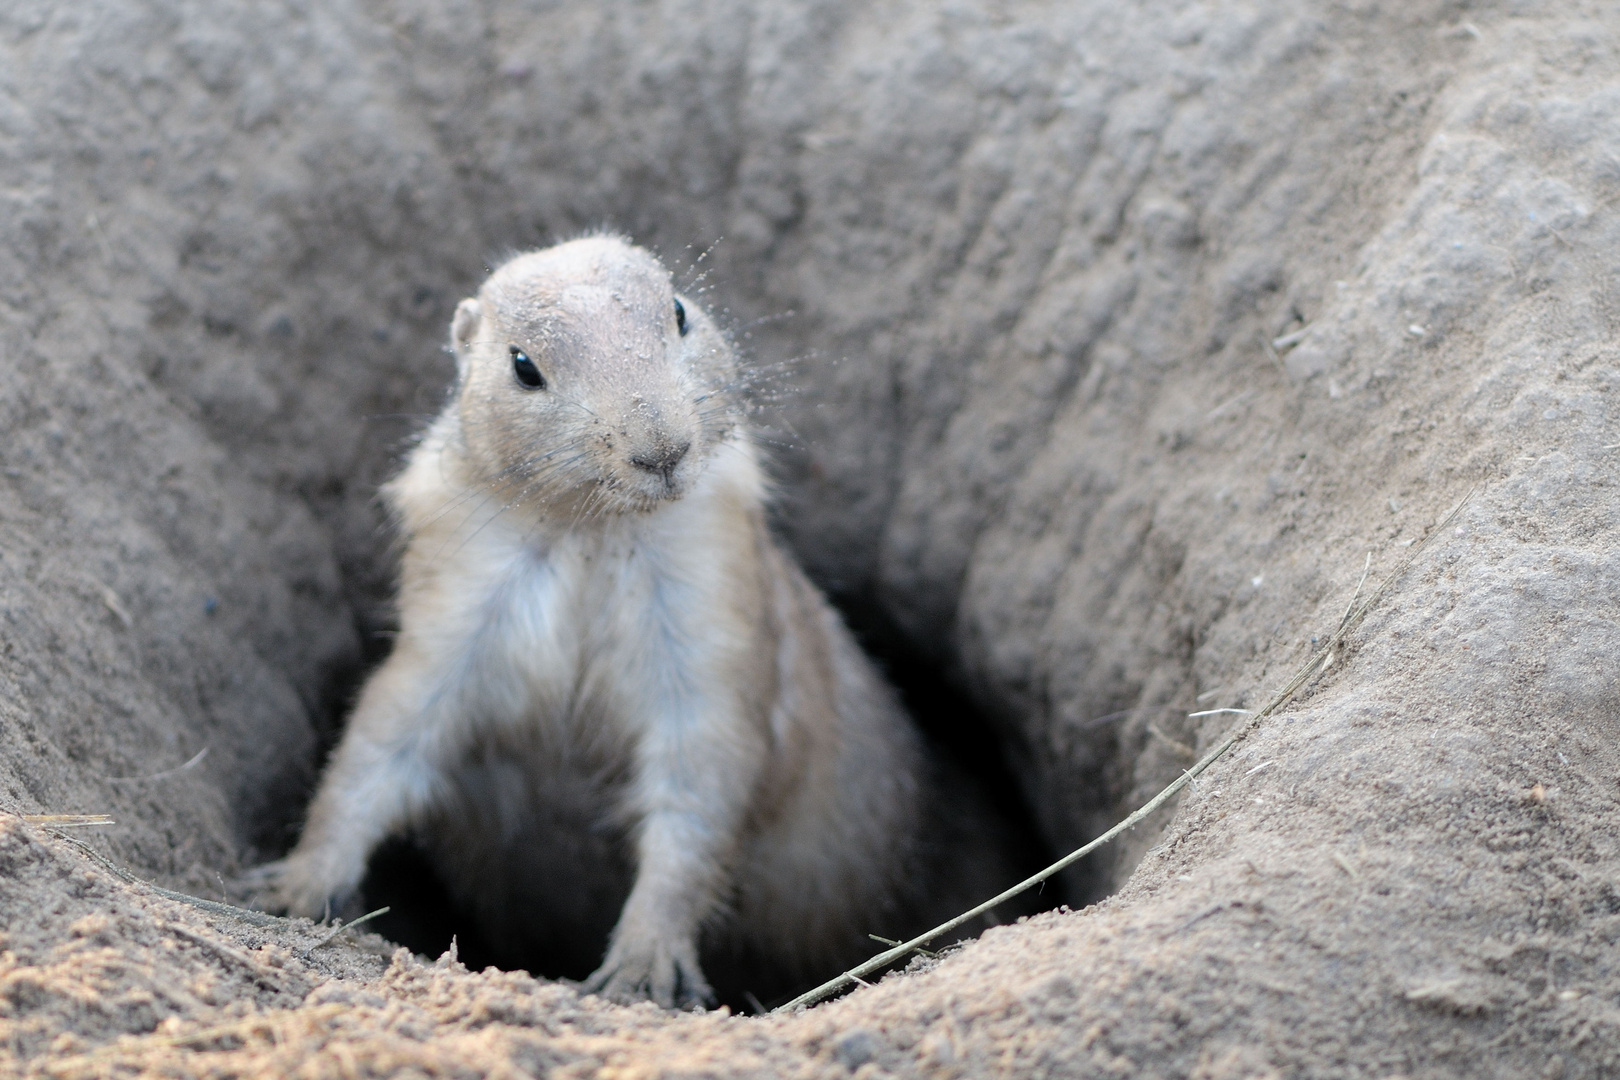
<point>425,917</point>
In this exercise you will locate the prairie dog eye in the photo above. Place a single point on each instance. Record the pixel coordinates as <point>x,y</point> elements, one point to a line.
<point>680,317</point>
<point>528,376</point>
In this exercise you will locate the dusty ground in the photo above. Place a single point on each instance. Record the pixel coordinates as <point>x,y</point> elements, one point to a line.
<point>1115,339</point>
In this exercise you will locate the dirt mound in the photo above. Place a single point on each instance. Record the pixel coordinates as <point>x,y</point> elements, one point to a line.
<point>1121,338</point>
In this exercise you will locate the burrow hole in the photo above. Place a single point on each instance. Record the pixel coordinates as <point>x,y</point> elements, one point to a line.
<point>424,916</point>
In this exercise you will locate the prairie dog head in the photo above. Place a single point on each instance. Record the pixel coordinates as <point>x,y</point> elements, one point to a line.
<point>587,384</point>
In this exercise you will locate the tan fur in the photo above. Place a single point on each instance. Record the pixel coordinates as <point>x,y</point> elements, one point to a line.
<point>576,628</point>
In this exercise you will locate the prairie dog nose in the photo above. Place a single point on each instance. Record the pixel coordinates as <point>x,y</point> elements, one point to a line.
<point>660,458</point>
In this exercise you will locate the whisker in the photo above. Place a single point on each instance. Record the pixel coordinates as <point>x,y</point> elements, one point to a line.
<point>531,473</point>
<point>763,320</point>
<point>523,497</point>
<point>488,483</point>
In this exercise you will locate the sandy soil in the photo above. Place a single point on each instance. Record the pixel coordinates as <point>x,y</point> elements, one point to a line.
<point>1114,341</point>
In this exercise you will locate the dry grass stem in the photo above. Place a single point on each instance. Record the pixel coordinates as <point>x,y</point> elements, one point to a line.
<point>68,821</point>
<point>195,760</point>
<point>1288,341</point>
<point>343,926</point>
<point>213,907</point>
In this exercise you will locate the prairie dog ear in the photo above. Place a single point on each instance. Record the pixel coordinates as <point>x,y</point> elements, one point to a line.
<point>463,329</point>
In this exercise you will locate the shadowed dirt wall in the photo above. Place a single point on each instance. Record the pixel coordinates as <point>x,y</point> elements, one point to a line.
<point>1028,261</point>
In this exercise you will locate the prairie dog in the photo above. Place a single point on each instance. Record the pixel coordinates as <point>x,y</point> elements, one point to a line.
<point>609,680</point>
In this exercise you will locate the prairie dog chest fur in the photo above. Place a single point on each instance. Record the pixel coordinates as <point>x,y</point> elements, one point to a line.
<point>612,691</point>
<point>574,618</point>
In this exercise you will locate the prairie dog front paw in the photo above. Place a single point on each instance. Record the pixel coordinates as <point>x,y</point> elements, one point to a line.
<point>648,968</point>
<point>300,885</point>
